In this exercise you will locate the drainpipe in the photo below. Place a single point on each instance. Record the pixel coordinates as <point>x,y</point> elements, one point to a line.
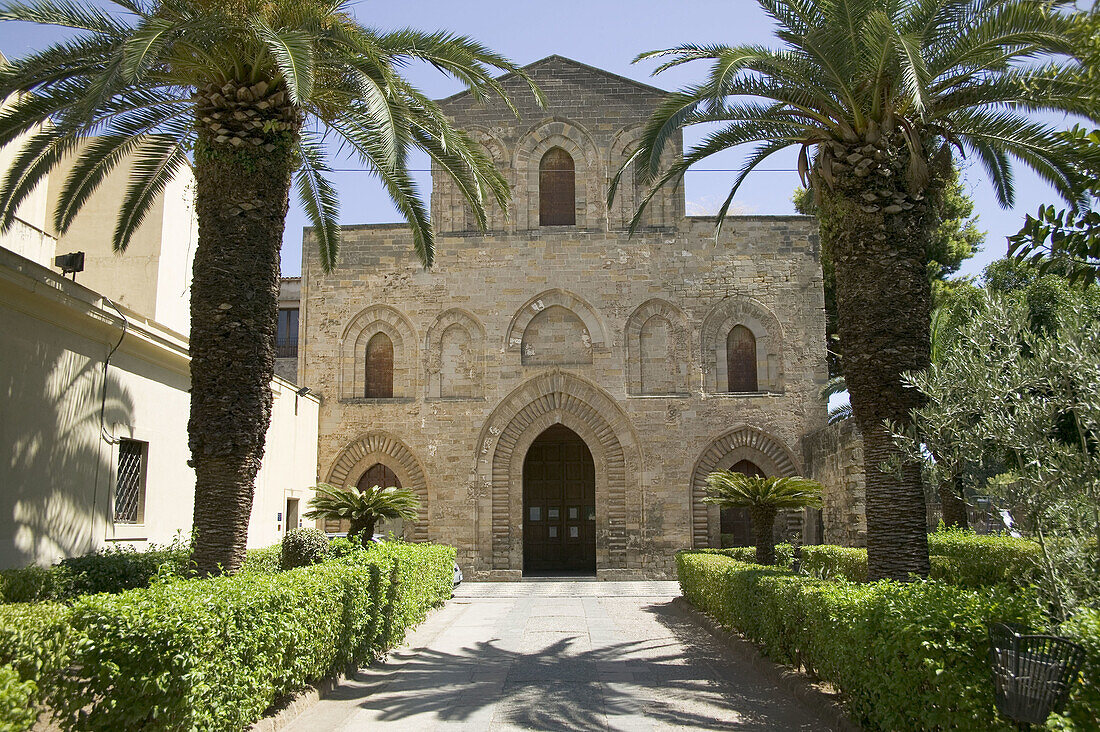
<point>104,435</point>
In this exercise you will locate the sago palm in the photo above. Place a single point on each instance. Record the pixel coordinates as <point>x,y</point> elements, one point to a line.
<point>244,91</point>
<point>363,508</point>
<point>877,96</point>
<point>763,497</point>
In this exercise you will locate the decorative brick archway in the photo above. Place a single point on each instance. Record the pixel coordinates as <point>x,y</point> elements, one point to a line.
<point>742,443</point>
<point>558,397</point>
<point>382,447</point>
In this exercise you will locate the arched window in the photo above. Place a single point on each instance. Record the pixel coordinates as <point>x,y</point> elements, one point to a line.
<point>741,360</point>
<point>557,189</point>
<point>379,367</point>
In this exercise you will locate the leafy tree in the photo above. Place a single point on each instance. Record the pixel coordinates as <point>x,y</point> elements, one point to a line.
<point>363,508</point>
<point>877,95</point>
<point>955,240</point>
<point>243,91</point>
<point>1025,401</point>
<point>763,497</point>
<point>1059,236</point>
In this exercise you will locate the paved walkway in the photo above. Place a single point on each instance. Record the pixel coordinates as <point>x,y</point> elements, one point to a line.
<point>560,655</point>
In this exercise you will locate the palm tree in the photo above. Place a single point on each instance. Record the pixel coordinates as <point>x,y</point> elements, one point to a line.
<point>943,329</point>
<point>242,91</point>
<point>877,96</point>
<point>763,497</point>
<point>363,508</point>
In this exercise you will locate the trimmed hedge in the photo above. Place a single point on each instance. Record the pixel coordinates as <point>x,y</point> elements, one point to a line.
<point>906,656</point>
<point>17,709</point>
<point>213,654</point>
<point>967,559</point>
<point>958,557</point>
<point>114,570</point>
<point>423,573</point>
<point>264,559</point>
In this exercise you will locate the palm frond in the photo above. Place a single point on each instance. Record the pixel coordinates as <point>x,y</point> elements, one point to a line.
<point>157,162</point>
<point>730,489</point>
<point>64,13</point>
<point>320,200</point>
<point>371,504</point>
<point>294,57</point>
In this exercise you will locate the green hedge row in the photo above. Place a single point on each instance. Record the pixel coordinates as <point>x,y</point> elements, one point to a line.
<point>213,654</point>
<point>906,656</point>
<point>17,708</point>
<point>958,557</point>
<point>111,570</point>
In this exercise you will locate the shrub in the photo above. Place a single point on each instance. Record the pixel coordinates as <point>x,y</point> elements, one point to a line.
<point>906,656</point>
<point>341,547</point>
<point>958,557</point>
<point>35,584</point>
<point>967,559</point>
<point>826,561</point>
<point>1083,708</point>
<point>303,547</point>
<point>423,579</point>
<point>115,569</point>
<point>213,654</point>
<point>35,640</point>
<point>362,508</point>
<point>264,560</point>
<point>118,569</point>
<point>18,710</point>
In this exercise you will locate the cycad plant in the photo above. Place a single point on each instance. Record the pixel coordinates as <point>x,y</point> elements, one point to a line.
<point>243,92</point>
<point>363,508</point>
<point>878,96</point>
<point>763,497</point>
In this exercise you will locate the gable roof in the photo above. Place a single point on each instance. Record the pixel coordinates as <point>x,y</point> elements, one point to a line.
<point>563,61</point>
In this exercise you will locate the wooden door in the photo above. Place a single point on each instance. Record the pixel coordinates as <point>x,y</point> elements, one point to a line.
<point>735,524</point>
<point>559,504</point>
<point>378,475</point>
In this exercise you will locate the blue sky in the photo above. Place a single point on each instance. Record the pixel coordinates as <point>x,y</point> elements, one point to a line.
<point>607,34</point>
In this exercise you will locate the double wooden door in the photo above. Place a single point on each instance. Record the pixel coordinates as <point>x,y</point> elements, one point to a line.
<point>559,504</point>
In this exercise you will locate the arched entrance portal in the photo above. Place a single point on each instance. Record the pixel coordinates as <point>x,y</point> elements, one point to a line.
<point>559,504</point>
<point>735,523</point>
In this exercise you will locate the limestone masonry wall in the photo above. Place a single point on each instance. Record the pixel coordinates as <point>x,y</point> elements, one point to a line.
<point>834,457</point>
<point>621,339</point>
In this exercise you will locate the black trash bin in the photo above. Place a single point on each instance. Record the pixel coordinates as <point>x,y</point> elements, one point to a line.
<point>1032,674</point>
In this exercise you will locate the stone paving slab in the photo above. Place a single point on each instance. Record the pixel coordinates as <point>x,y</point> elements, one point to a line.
<point>560,656</point>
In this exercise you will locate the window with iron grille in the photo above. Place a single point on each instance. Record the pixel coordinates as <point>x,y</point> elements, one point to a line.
<point>286,336</point>
<point>130,488</point>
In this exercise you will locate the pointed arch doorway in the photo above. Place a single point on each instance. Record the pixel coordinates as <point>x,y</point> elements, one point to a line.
<point>559,504</point>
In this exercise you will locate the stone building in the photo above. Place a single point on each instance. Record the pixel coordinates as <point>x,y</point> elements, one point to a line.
<point>555,390</point>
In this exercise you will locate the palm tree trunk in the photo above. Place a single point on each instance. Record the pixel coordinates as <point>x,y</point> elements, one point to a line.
<point>763,529</point>
<point>364,529</point>
<point>878,233</point>
<point>242,169</point>
<point>953,506</point>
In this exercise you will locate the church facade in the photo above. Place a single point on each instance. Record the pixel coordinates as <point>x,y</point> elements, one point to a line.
<point>554,390</point>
